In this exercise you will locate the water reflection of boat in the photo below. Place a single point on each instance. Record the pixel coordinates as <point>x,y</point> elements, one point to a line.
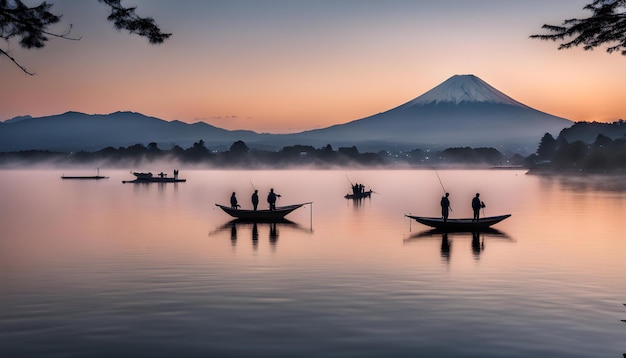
<point>279,213</point>
<point>234,225</point>
<point>246,223</point>
<point>446,237</point>
<point>459,224</point>
<point>437,233</point>
<point>159,178</point>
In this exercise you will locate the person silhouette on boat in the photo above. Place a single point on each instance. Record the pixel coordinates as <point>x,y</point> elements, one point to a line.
<point>445,207</point>
<point>233,201</point>
<point>476,206</point>
<point>255,199</point>
<point>271,199</point>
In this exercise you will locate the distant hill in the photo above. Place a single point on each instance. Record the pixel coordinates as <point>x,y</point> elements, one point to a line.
<point>462,111</point>
<point>73,131</point>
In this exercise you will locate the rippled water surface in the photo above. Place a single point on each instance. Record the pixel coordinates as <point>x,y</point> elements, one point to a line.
<point>105,269</point>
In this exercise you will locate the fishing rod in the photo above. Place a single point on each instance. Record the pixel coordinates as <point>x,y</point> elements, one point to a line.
<point>349,181</point>
<point>440,182</point>
<point>442,187</point>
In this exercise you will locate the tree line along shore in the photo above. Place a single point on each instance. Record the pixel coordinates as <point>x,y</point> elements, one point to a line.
<point>572,150</point>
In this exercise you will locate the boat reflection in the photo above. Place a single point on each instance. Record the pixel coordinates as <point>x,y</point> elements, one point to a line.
<point>477,239</point>
<point>253,226</point>
<point>358,202</point>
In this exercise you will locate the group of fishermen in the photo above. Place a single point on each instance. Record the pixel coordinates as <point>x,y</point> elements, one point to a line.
<point>271,199</point>
<point>477,204</point>
<point>358,189</point>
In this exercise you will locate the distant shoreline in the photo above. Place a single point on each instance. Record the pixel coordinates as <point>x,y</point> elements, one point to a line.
<point>576,172</point>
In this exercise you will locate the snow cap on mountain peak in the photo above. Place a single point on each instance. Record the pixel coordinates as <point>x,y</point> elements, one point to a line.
<point>463,88</point>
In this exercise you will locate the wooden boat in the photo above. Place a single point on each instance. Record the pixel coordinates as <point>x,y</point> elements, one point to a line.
<point>159,178</point>
<point>365,194</point>
<point>459,224</point>
<point>244,214</point>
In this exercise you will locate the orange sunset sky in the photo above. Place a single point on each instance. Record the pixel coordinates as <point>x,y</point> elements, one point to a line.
<point>287,65</point>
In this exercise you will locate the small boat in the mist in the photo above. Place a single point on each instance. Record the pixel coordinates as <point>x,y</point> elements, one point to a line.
<point>279,213</point>
<point>87,177</point>
<point>358,191</point>
<point>466,224</point>
<point>159,178</point>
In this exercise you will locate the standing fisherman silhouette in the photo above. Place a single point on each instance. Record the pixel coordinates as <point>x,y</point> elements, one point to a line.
<point>255,199</point>
<point>445,202</point>
<point>233,201</point>
<point>445,207</point>
<point>271,199</point>
<point>476,206</point>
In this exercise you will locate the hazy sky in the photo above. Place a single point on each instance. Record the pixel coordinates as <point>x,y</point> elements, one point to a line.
<point>289,65</point>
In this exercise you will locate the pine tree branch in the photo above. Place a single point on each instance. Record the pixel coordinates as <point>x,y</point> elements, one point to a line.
<point>125,19</point>
<point>2,52</point>
<point>606,26</point>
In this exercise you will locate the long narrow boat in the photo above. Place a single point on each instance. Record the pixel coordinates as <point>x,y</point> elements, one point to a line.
<point>361,195</point>
<point>277,214</point>
<point>94,177</point>
<point>459,224</point>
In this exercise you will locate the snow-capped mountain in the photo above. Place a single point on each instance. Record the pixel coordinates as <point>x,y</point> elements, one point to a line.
<point>463,88</point>
<point>462,111</point>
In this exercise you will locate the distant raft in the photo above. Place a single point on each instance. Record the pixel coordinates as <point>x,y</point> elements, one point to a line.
<point>92,177</point>
<point>87,177</point>
<point>466,224</point>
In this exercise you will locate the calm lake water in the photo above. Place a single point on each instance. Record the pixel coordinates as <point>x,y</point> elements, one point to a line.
<point>105,269</point>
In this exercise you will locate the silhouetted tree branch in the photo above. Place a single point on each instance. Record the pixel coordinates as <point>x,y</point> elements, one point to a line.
<point>30,25</point>
<point>15,62</point>
<point>124,18</point>
<point>607,25</point>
